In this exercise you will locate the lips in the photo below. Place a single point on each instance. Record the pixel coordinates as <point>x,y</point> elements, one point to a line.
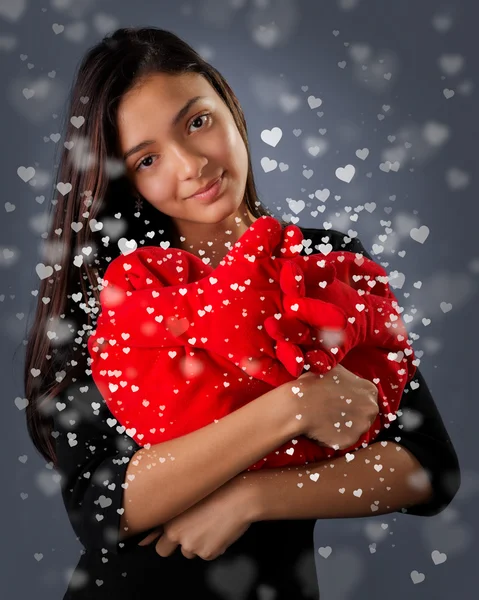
<point>206,187</point>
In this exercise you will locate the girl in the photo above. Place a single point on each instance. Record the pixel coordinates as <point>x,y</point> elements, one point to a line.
<point>152,124</point>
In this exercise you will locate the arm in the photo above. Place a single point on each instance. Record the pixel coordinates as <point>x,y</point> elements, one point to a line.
<point>426,474</point>
<point>392,476</point>
<point>420,471</point>
<point>421,430</point>
<point>92,458</point>
<point>275,494</point>
<point>177,467</point>
<point>108,481</point>
<point>424,480</point>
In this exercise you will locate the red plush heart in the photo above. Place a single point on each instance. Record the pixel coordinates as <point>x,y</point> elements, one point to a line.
<point>200,343</point>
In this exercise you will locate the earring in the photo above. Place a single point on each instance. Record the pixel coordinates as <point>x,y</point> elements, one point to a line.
<point>139,202</point>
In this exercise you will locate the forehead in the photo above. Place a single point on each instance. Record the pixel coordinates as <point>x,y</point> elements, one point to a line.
<point>163,90</point>
<point>155,100</point>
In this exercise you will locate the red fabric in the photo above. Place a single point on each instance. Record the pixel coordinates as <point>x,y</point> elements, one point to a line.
<point>179,344</point>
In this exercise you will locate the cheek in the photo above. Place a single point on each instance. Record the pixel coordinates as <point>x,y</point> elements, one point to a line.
<point>239,147</point>
<point>243,156</point>
<point>240,160</point>
<point>156,189</point>
<point>232,144</point>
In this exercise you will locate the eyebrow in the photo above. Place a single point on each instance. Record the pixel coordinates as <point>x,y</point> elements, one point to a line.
<point>181,113</point>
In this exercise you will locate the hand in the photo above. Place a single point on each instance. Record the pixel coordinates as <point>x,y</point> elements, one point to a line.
<point>336,408</point>
<point>372,342</point>
<point>151,537</point>
<point>206,529</point>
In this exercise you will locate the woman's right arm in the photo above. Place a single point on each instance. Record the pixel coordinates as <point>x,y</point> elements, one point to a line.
<point>113,489</point>
<point>190,467</point>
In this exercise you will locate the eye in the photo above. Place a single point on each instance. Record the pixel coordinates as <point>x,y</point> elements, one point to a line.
<point>138,168</point>
<point>142,167</point>
<point>199,117</point>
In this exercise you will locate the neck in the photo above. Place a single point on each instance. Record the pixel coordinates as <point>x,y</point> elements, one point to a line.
<point>211,241</point>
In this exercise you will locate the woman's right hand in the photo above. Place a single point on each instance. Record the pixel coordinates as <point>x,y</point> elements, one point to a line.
<point>337,408</point>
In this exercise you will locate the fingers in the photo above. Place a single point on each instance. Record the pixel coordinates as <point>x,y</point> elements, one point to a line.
<point>150,538</point>
<point>165,547</point>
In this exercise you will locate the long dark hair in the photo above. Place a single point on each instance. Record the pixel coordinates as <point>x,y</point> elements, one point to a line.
<point>108,70</point>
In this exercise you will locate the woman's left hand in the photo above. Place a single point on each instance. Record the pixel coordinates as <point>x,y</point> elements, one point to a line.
<point>207,528</point>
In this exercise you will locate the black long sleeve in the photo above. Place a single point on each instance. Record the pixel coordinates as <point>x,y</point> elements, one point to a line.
<point>93,454</point>
<point>419,426</point>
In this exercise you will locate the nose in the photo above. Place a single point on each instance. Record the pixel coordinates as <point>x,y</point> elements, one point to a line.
<point>187,163</point>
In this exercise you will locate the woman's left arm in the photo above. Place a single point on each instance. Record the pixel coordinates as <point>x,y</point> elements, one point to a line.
<point>411,467</point>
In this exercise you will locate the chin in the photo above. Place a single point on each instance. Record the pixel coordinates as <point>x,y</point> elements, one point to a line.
<point>220,209</point>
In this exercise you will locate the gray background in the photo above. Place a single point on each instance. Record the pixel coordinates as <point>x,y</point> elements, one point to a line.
<point>389,97</point>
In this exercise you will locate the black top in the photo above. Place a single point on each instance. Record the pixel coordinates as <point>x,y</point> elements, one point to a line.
<point>93,458</point>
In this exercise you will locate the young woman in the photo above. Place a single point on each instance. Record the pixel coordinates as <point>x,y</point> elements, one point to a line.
<point>151,125</point>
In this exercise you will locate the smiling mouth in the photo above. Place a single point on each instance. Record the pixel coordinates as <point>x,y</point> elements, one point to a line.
<point>205,189</point>
<point>211,192</point>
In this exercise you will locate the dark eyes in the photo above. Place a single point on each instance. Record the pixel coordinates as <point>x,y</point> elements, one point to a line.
<point>200,117</point>
<point>141,163</point>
